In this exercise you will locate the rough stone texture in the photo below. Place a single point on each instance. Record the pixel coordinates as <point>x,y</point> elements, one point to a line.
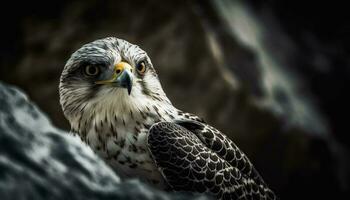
<point>272,75</point>
<point>39,161</point>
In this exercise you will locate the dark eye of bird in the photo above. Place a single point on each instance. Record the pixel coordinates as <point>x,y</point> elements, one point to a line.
<point>91,70</point>
<point>141,67</point>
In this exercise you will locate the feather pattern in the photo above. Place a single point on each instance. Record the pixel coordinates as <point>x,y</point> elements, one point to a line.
<point>199,158</point>
<point>141,134</point>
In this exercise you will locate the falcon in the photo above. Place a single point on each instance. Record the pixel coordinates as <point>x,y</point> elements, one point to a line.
<point>112,97</point>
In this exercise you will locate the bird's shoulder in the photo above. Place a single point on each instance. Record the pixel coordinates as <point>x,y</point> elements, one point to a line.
<point>186,116</point>
<point>198,154</point>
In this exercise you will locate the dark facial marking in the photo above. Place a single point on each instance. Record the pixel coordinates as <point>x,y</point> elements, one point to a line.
<point>144,88</point>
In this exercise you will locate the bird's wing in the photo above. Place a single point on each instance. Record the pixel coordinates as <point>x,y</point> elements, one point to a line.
<point>190,156</point>
<point>223,147</point>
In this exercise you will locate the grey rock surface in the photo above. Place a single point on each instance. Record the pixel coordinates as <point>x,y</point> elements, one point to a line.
<point>39,161</point>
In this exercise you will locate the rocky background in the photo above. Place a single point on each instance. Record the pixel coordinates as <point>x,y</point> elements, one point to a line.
<point>271,74</point>
<point>39,161</point>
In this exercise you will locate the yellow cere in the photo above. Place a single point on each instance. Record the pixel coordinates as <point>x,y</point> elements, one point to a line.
<point>118,69</point>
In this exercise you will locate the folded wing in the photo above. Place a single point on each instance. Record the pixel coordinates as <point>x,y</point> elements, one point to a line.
<point>195,157</point>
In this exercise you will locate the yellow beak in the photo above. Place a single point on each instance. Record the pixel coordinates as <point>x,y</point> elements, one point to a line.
<point>122,76</point>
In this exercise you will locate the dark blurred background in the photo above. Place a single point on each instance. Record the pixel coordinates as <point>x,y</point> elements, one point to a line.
<point>271,74</point>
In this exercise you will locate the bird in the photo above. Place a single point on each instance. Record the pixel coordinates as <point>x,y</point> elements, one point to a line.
<point>113,99</point>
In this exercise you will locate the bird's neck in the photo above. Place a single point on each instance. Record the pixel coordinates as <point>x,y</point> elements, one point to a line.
<point>120,118</point>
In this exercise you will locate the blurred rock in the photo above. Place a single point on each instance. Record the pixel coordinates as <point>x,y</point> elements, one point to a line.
<point>39,161</point>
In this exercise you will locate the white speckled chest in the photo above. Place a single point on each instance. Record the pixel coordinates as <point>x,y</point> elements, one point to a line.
<point>122,143</point>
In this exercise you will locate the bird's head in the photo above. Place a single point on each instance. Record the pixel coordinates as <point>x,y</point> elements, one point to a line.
<point>109,75</point>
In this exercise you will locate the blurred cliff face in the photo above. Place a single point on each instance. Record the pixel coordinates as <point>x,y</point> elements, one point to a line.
<point>271,75</point>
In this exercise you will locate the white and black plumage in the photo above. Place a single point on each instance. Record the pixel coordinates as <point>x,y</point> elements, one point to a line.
<point>112,97</point>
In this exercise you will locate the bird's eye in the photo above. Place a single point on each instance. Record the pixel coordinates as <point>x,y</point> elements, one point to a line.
<point>141,67</point>
<point>91,70</point>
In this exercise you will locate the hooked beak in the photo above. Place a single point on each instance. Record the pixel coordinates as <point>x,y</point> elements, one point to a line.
<point>122,76</point>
